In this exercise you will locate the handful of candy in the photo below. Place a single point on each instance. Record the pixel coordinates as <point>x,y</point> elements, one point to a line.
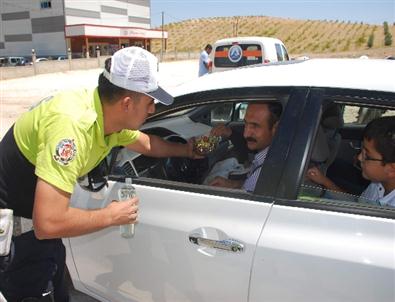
<point>205,144</point>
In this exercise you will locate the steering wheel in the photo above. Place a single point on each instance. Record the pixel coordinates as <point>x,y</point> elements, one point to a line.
<point>182,168</point>
<point>177,168</point>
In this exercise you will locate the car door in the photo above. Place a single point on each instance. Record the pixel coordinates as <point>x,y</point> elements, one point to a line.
<point>188,246</point>
<point>321,248</point>
<point>315,255</point>
<point>192,242</point>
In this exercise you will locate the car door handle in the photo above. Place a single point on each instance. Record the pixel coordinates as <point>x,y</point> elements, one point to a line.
<point>230,245</point>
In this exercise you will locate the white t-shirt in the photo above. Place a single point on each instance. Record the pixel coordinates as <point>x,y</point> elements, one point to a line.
<point>375,192</point>
<point>204,58</point>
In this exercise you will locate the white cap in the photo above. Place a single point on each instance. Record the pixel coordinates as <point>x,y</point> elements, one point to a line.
<point>134,68</point>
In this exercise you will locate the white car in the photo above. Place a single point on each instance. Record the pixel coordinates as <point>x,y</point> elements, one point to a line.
<point>41,60</point>
<point>236,52</point>
<point>288,240</point>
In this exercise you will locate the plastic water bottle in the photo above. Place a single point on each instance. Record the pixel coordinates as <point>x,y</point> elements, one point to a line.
<point>126,192</point>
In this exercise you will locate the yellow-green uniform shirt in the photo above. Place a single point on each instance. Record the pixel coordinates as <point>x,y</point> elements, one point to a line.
<point>63,137</point>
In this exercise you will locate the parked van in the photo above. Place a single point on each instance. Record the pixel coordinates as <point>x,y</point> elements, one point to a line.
<point>242,51</point>
<point>12,61</point>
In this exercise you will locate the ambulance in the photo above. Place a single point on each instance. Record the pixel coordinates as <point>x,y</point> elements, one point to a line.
<point>242,51</point>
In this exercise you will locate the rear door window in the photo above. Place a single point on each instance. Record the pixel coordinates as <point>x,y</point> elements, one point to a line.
<point>285,53</point>
<point>334,159</point>
<point>236,55</point>
<point>279,53</point>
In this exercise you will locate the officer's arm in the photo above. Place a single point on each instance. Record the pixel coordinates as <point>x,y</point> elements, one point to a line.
<point>53,218</point>
<point>155,146</point>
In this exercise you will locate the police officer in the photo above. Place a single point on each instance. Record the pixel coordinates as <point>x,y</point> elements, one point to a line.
<point>63,138</point>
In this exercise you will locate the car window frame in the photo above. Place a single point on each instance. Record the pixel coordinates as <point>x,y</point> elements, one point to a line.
<point>282,186</point>
<point>289,195</point>
<point>192,100</point>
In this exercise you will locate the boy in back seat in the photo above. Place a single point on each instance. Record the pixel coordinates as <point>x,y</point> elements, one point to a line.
<point>377,159</point>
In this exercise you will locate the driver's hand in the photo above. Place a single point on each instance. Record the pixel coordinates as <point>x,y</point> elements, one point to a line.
<point>220,181</point>
<point>221,130</point>
<point>191,153</point>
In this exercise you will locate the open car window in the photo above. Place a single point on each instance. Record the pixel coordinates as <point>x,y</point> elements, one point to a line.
<point>193,123</point>
<point>336,147</point>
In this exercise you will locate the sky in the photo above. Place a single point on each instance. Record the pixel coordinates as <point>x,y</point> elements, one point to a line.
<point>371,11</point>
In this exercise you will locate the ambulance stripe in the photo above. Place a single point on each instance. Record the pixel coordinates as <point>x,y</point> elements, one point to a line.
<point>246,53</point>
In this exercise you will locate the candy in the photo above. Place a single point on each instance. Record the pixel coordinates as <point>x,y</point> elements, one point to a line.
<point>205,144</point>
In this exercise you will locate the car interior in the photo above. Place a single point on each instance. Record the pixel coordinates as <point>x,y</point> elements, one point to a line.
<point>193,171</point>
<point>336,147</point>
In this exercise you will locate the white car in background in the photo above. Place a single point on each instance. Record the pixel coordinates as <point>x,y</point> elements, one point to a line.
<point>288,240</point>
<point>236,52</point>
<point>41,60</point>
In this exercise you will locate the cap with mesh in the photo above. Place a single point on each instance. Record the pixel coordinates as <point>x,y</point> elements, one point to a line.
<point>134,68</point>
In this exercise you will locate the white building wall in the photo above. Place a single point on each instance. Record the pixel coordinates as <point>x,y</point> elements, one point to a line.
<point>83,5</point>
<point>108,12</point>
<point>18,49</point>
<point>49,44</point>
<point>16,27</point>
<point>24,26</point>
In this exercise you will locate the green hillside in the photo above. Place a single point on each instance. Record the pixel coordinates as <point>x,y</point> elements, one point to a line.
<point>300,36</point>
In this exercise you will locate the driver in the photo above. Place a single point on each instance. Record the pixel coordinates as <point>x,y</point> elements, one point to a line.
<point>260,124</point>
<point>62,138</point>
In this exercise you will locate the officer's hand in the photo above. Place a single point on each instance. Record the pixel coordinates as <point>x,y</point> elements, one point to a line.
<point>221,130</point>
<point>124,212</point>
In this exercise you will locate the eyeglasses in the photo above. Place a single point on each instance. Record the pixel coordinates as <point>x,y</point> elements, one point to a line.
<point>365,157</point>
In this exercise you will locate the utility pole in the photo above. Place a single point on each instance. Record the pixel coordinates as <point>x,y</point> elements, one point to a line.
<point>237,27</point>
<point>163,37</point>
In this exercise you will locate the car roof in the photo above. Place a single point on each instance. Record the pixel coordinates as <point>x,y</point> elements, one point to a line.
<point>247,40</point>
<point>372,74</point>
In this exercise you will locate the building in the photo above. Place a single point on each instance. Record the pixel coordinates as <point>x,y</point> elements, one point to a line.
<point>51,27</point>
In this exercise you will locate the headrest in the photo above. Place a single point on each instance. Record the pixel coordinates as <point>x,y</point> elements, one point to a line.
<point>321,148</point>
<point>332,116</point>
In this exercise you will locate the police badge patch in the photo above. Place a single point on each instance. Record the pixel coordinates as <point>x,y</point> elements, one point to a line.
<point>65,151</point>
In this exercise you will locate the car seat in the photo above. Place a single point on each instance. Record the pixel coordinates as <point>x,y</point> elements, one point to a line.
<point>326,144</point>
<point>331,122</point>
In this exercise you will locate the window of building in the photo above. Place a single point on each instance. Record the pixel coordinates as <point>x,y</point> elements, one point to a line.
<point>45,4</point>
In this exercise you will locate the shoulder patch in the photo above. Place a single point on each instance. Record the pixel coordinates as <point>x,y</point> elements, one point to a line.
<point>65,151</point>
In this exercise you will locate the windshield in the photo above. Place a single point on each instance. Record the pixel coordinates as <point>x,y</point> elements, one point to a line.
<point>236,55</point>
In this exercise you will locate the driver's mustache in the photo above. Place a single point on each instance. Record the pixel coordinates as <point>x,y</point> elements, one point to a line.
<point>251,139</point>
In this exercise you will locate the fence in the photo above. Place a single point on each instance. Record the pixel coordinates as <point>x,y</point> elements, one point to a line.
<point>52,66</point>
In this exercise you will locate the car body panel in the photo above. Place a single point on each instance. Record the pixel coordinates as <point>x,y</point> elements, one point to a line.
<point>202,273</point>
<point>375,75</point>
<point>327,255</point>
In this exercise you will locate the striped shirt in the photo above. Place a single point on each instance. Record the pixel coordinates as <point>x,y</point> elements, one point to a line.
<point>256,166</point>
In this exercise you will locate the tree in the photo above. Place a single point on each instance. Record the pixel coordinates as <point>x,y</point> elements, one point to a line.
<point>370,40</point>
<point>385,24</point>
<point>388,39</point>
